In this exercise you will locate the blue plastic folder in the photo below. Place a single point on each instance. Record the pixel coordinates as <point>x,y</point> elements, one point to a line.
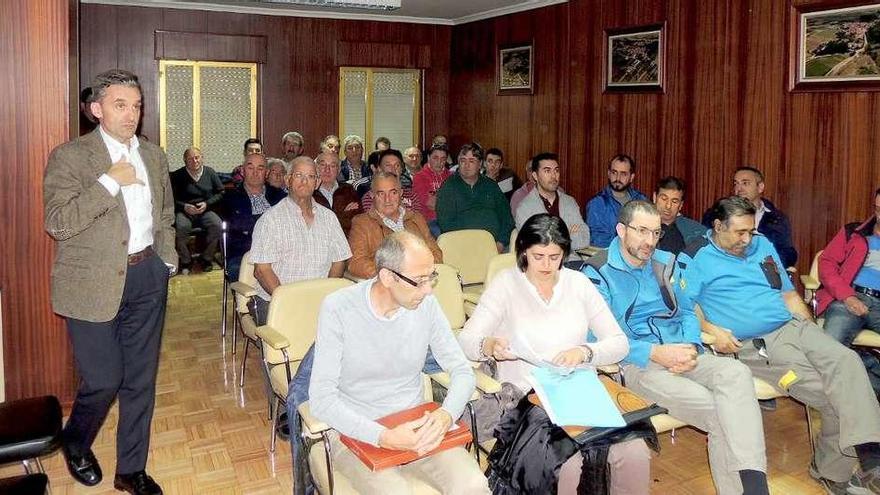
<point>576,399</point>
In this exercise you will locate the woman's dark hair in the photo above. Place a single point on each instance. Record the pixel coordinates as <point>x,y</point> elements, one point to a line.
<point>542,230</point>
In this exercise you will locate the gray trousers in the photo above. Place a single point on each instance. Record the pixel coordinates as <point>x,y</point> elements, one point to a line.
<point>830,378</point>
<point>718,397</point>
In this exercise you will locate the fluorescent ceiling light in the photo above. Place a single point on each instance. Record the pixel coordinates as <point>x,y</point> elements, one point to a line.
<point>344,4</point>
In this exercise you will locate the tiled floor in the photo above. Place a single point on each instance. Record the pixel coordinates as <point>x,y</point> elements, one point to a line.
<point>210,436</point>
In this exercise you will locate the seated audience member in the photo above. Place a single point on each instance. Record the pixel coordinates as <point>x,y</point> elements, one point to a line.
<point>552,309</point>
<point>242,207</point>
<point>276,174</point>
<point>382,144</point>
<point>603,209</point>
<point>677,230</point>
<point>197,192</point>
<point>330,144</point>
<point>412,161</point>
<point>297,239</point>
<point>292,144</point>
<point>392,162</point>
<point>353,166</point>
<point>339,197</point>
<point>251,145</point>
<point>849,270</point>
<point>748,183</point>
<point>752,309</point>
<point>370,348</point>
<point>518,195</point>
<point>666,362</point>
<point>436,140</point>
<point>427,182</point>
<point>468,200</point>
<point>384,218</point>
<point>506,178</point>
<point>547,197</point>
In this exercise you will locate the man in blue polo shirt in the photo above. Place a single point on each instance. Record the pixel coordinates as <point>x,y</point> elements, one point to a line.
<point>752,309</point>
<point>666,363</point>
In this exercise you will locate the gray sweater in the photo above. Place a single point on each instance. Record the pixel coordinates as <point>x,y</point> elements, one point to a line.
<point>368,366</point>
<point>568,211</point>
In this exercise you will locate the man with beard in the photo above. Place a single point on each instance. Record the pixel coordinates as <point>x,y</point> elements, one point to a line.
<point>548,198</point>
<point>603,209</point>
<point>292,144</point>
<point>666,361</point>
<point>751,309</point>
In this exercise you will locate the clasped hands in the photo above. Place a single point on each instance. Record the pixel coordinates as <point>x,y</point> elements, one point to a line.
<point>676,358</point>
<point>420,435</point>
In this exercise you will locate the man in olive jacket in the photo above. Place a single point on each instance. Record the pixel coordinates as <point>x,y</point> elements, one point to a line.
<point>109,207</point>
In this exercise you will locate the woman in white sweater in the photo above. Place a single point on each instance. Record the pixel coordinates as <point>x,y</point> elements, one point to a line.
<point>542,310</point>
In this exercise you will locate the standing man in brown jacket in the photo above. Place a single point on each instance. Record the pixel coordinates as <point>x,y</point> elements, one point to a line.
<point>108,204</point>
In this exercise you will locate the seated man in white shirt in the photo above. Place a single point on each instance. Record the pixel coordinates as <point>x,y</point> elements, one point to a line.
<point>297,239</point>
<point>370,349</point>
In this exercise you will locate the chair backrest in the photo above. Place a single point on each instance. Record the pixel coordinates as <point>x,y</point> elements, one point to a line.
<point>497,264</point>
<point>449,295</point>
<point>814,268</point>
<point>245,276</point>
<point>293,312</point>
<point>512,245</point>
<point>469,251</point>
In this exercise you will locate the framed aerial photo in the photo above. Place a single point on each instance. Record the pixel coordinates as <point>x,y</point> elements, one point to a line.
<point>836,49</point>
<point>515,69</point>
<point>635,59</point>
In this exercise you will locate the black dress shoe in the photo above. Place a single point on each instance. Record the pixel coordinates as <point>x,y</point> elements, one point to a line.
<point>137,484</point>
<point>84,468</point>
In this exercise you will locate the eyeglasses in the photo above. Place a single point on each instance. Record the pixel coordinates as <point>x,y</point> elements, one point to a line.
<point>645,232</point>
<point>302,176</point>
<point>431,280</point>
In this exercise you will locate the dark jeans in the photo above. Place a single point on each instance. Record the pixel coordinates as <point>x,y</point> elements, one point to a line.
<point>183,225</point>
<point>119,358</point>
<point>845,326</point>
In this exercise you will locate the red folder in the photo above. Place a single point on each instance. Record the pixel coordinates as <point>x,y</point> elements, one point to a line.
<point>377,458</point>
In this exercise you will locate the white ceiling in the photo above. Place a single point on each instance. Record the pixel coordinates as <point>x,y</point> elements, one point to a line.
<point>447,12</point>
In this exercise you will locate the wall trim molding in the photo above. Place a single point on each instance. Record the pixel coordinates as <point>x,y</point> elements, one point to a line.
<point>255,9</point>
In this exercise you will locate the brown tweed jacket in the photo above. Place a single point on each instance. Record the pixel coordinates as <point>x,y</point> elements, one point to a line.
<point>90,226</point>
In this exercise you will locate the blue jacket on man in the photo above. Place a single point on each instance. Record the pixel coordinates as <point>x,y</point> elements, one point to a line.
<point>622,287</point>
<point>601,215</point>
<point>776,228</point>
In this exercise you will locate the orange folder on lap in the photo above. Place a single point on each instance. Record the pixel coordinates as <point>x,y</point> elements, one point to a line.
<point>378,458</point>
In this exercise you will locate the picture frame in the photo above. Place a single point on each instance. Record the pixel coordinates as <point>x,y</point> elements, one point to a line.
<point>635,59</point>
<point>515,72</point>
<point>835,49</point>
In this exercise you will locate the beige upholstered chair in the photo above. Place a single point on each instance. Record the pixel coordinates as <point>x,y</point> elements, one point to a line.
<point>290,330</point>
<point>468,251</point>
<point>497,264</point>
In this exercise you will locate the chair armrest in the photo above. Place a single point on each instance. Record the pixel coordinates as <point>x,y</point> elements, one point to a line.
<point>243,289</point>
<point>588,251</point>
<point>272,337</point>
<point>609,369</point>
<point>809,282</point>
<point>310,423</point>
<point>485,383</point>
<point>471,297</point>
<point>707,339</point>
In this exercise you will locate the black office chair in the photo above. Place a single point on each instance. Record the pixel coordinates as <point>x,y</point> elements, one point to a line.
<point>29,429</point>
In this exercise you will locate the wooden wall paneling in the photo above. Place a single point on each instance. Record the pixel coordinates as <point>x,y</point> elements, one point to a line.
<point>33,103</point>
<point>136,49</point>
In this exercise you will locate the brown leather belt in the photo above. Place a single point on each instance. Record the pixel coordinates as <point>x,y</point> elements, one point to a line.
<point>135,258</point>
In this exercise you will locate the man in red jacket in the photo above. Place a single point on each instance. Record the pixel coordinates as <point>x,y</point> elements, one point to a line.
<point>849,270</point>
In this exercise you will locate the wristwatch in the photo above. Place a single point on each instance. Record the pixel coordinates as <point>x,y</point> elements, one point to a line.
<point>588,353</point>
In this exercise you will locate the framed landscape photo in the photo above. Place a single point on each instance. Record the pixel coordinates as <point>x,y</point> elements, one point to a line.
<point>635,59</point>
<point>515,69</point>
<point>836,49</point>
